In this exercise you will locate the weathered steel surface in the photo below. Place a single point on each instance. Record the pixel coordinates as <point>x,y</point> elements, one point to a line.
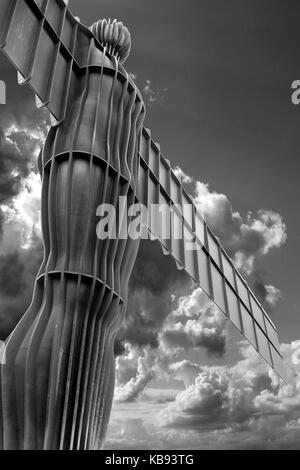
<point>58,379</point>
<point>208,265</point>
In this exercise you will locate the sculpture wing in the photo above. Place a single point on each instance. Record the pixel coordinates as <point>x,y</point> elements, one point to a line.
<point>47,46</point>
<point>196,250</point>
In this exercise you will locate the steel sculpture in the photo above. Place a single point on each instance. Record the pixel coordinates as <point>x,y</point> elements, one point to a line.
<point>58,378</point>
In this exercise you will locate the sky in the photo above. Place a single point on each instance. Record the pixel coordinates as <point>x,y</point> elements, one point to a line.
<point>216,78</point>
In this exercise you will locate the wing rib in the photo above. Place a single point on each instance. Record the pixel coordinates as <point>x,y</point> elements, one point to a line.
<point>199,252</point>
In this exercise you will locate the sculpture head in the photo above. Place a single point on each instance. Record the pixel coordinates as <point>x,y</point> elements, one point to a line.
<point>114,36</point>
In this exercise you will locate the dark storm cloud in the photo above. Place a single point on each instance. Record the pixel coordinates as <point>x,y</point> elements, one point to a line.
<point>20,106</point>
<point>155,286</point>
<point>21,135</point>
<point>11,274</point>
<point>155,271</point>
<point>16,162</point>
<point>17,273</point>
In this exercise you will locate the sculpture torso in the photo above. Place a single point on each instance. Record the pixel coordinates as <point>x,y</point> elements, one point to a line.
<point>100,118</point>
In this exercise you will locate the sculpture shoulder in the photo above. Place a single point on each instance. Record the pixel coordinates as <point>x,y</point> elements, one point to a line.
<point>100,58</point>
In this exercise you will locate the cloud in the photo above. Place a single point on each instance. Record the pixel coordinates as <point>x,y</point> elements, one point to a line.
<point>244,239</point>
<point>153,96</point>
<point>17,272</point>
<point>186,371</point>
<point>171,316</point>
<point>242,398</point>
<point>135,364</point>
<point>22,131</point>
<point>20,233</point>
<point>17,151</point>
<point>155,287</point>
<point>20,109</point>
<point>267,294</point>
<point>133,76</point>
<point>192,326</point>
<point>182,176</point>
<point>273,295</point>
<point>244,406</point>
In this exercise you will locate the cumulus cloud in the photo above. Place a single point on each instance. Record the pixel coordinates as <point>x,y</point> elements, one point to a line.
<point>244,406</point>
<point>241,398</point>
<point>244,239</point>
<point>186,371</point>
<point>134,371</point>
<point>194,324</point>
<point>191,326</point>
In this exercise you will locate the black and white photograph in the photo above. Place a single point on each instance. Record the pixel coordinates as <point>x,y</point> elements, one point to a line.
<point>149,227</point>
